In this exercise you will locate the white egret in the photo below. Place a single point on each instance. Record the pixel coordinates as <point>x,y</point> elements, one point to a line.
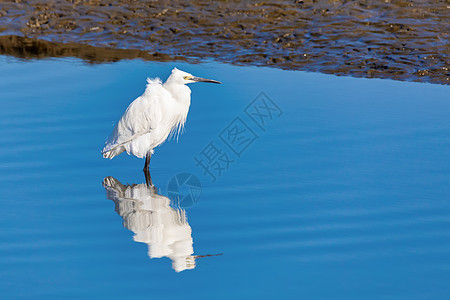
<point>154,222</point>
<point>152,117</point>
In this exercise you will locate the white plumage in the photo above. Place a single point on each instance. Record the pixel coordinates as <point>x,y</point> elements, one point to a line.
<point>154,221</point>
<point>152,117</point>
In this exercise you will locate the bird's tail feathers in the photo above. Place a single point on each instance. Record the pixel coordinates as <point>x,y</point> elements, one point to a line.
<point>112,152</point>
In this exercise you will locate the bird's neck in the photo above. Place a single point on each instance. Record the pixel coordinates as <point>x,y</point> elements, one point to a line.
<point>180,92</point>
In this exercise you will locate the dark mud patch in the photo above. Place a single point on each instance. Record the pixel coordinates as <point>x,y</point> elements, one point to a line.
<point>404,40</point>
<point>26,48</point>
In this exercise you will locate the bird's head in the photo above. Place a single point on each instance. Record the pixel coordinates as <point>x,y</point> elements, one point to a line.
<point>182,77</point>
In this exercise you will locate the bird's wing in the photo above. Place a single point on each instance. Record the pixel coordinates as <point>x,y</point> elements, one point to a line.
<point>141,116</point>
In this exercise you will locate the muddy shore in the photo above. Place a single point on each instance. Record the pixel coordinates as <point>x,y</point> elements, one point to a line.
<point>403,40</point>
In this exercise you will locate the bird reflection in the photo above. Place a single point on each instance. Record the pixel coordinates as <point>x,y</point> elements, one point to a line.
<point>163,228</point>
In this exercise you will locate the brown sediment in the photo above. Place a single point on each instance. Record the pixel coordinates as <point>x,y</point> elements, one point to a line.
<point>405,40</point>
<point>22,47</point>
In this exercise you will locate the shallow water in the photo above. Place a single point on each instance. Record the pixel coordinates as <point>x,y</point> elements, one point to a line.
<point>342,192</point>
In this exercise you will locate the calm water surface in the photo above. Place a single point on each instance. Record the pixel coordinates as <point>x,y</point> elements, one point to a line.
<point>342,192</point>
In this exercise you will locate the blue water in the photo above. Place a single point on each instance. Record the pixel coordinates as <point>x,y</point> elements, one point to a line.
<point>342,193</point>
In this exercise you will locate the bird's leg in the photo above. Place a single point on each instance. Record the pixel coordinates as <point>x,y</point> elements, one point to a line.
<point>148,178</point>
<point>147,161</point>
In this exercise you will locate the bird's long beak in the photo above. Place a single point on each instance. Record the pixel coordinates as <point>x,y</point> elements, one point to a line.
<point>198,79</point>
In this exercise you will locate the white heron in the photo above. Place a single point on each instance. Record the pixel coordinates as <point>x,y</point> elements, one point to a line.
<point>154,222</point>
<point>152,117</point>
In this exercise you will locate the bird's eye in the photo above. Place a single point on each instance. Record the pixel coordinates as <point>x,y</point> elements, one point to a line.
<point>186,77</point>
